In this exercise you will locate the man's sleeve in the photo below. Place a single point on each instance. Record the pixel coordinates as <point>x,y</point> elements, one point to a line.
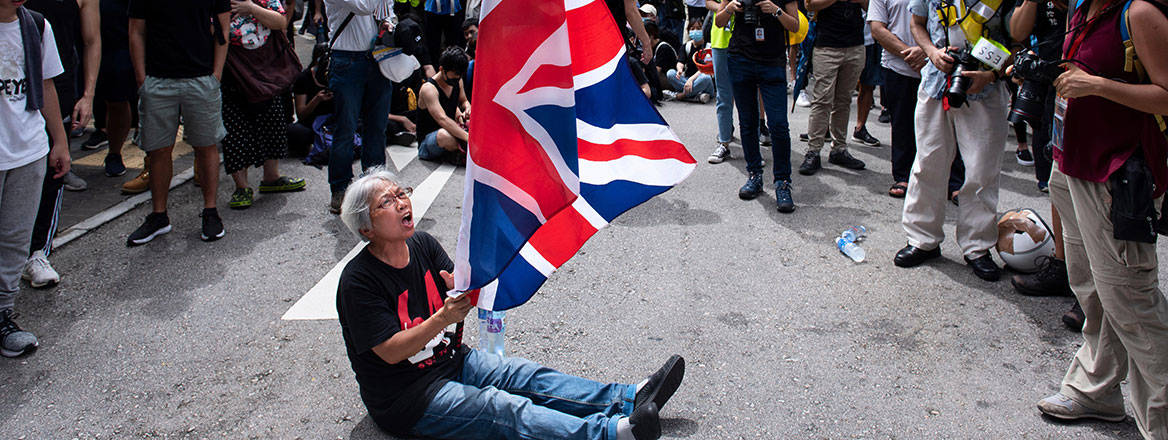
<point>876,11</point>
<point>918,8</point>
<point>50,60</point>
<point>370,318</point>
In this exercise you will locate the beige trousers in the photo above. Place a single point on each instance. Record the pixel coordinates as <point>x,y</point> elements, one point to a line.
<point>835,73</point>
<point>977,130</point>
<point>1126,332</point>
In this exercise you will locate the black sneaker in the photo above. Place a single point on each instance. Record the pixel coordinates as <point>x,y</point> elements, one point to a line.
<point>865,138</point>
<point>212,225</point>
<point>720,154</point>
<point>764,135</point>
<point>1025,158</point>
<point>157,223</point>
<point>1050,279</point>
<point>806,137</point>
<point>752,188</point>
<point>810,164</point>
<point>14,342</point>
<point>404,139</point>
<point>784,203</point>
<point>885,117</point>
<point>96,140</point>
<point>844,159</point>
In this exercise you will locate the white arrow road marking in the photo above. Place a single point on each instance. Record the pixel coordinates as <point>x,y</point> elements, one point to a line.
<point>401,156</point>
<point>321,301</point>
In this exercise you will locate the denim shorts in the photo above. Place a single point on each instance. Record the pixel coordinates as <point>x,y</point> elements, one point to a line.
<point>428,149</point>
<point>197,101</point>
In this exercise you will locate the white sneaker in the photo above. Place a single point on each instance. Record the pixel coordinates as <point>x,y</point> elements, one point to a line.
<point>669,95</point>
<point>705,98</point>
<point>1063,407</point>
<point>803,100</point>
<point>38,272</point>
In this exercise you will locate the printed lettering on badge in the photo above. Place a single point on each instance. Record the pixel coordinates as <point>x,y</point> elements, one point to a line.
<point>759,34</point>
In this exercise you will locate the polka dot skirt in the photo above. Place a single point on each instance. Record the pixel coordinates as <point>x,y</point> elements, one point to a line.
<point>255,132</point>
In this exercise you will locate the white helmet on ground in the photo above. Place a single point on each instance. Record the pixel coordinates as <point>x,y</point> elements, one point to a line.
<point>1024,237</point>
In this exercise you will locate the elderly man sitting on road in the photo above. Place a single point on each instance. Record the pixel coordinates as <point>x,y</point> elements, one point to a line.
<point>403,335</point>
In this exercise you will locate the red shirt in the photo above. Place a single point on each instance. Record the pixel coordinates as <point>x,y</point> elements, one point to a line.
<point>1101,134</point>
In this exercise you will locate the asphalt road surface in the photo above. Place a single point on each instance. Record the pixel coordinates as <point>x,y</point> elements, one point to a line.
<point>784,336</point>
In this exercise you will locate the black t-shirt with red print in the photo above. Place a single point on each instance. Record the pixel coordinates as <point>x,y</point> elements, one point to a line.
<point>375,301</point>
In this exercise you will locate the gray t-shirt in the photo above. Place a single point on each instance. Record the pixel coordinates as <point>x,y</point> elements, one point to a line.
<point>895,15</point>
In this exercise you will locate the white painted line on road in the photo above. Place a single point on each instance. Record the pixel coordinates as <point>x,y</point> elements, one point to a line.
<point>321,301</point>
<point>83,227</point>
<point>401,156</point>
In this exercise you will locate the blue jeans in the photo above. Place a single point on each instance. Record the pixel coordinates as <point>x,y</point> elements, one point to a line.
<point>359,90</point>
<point>750,78</point>
<point>514,398</point>
<point>724,103</point>
<point>702,84</point>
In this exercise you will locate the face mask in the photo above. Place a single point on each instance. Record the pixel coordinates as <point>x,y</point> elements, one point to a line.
<point>695,35</point>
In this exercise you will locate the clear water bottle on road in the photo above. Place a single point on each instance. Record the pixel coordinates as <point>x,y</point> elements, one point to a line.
<point>855,234</point>
<point>491,328</point>
<point>849,248</point>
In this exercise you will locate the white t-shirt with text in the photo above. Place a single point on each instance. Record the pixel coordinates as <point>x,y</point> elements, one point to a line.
<point>22,133</point>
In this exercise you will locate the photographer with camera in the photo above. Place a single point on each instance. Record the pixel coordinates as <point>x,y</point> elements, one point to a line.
<point>1038,24</point>
<point>1109,178</point>
<point>757,60</point>
<point>959,107</point>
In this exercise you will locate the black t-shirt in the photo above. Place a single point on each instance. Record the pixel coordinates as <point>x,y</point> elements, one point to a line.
<point>375,301</point>
<point>115,26</point>
<point>617,8</point>
<point>179,38</point>
<point>765,42</point>
<point>690,67</point>
<point>1049,24</point>
<point>65,17</point>
<point>664,57</point>
<point>840,25</point>
<point>306,85</point>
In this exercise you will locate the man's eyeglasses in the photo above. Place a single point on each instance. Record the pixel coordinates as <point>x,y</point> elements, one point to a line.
<point>402,194</point>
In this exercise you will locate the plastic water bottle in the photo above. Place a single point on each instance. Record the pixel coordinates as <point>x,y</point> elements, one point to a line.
<point>855,234</point>
<point>849,248</point>
<point>491,328</point>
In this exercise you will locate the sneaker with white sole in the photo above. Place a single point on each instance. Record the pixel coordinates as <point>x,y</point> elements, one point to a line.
<point>720,154</point>
<point>38,272</point>
<point>157,223</point>
<point>804,100</point>
<point>14,342</point>
<point>212,225</point>
<point>72,182</point>
<point>1060,406</point>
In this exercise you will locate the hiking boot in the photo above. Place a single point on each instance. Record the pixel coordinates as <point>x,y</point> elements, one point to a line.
<point>138,184</point>
<point>810,164</point>
<point>720,154</point>
<point>283,184</point>
<point>212,225</point>
<point>14,342</point>
<point>157,223</point>
<point>242,198</point>
<point>71,182</point>
<point>114,166</point>
<point>335,202</point>
<point>862,136</point>
<point>96,140</point>
<point>1049,280</point>
<point>784,203</point>
<point>1060,406</point>
<point>844,159</point>
<point>752,188</point>
<point>38,272</point>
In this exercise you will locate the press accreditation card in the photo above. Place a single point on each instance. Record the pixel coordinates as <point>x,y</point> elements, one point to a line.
<point>1056,129</point>
<point>991,53</point>
<point>759,34</point>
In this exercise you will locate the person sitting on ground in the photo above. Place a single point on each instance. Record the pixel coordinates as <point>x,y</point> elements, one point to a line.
<point>687,81</point>
<point>416,376</point>
<point>444,111</point>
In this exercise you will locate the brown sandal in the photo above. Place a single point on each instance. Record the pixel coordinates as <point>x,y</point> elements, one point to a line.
<point>898,190</point>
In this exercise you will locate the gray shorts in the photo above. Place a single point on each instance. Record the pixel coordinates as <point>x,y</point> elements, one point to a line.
<point>197,101</point>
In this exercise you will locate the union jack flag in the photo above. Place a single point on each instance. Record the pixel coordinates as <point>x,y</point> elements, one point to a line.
<point>562,142</point>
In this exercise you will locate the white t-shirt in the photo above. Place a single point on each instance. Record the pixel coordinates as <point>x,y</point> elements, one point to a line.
<point>696,4</point>
<point>362,29</point>
<point>22,133</point>
<point>895,15</point>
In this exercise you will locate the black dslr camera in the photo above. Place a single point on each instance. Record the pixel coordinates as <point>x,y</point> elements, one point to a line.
<point>1037,76</point>
<point>750,11</point>
<point>959,84</point>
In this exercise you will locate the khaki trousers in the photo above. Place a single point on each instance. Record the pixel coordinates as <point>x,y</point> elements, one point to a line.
<point>835,73</point>
<point>1125,335</point>
<point>977,130</point>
